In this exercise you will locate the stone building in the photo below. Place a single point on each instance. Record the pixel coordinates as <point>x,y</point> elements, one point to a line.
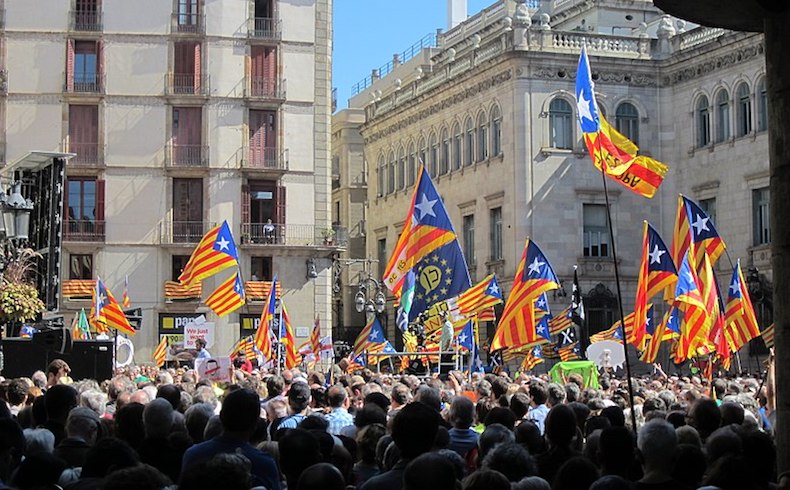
<point>489,108</point>
<point>181,114</point>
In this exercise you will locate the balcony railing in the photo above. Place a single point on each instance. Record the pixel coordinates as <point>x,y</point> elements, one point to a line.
<point>85,21</point>
<point>186,156</point>
<point>266,88</point>
<point>189,23</point>
<point>293,235</point>
<point>257,158</point>
<point>264,28</point>
<point>186,84</point>
<point>83,230</point>
<point>187,232</point>
<point>174,291</point>
<point>87,154</point>
<point>86,83</point>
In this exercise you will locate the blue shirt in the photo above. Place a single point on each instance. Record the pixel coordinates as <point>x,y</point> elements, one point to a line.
<point>462,440</point>
<point>538,415</point>
<point>204,354</point>
<point>338,418</point>
<point>264,469</point>
<point>291,421</point>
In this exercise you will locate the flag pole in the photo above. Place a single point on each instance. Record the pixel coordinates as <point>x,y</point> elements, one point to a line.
<point>617,281</point>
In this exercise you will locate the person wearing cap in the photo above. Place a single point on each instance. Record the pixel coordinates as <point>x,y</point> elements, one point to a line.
<point>298,405</point>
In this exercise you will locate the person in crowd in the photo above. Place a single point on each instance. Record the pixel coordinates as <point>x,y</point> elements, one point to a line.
<point>200,347</point>
<point>338,417</point>
<point>298,405</point>
<point>462,437</point>
<point>58,370</point>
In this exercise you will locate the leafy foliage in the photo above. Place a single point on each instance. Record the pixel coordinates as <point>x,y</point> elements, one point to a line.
<point>19,299</point>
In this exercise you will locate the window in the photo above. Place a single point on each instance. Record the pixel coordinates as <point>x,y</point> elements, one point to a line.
<point>86,15</point>
<point>469,239</point>
<point>600,305</point>
<point>186,76</point>
<point>187,137</point>
<point>84,202</point>
<point>381,255</point>
<point>81,266</point>
<point>423,153</point>
<point>263,140</point>
<point>82,70</point>
<point>596,233</point>
<point>187,16</point>
<point>703,122</point>
<point>495,217</point>
<point>84,134</point>
<point>263,71</point>
<point>496,131</point>
<point>627,121</point>
<point>263,212</point>
<point>762,106</point>
<point>482,137</point>
<point>178,263</point>
<point>401,169</point>
<point>410,168</point>
<point>187,210</point>
<point>722,116</point>
<point>744,110</point>
<point>391,174</point>
<point>261,268</point>
<point>380,169</point>
<point>469,151</point>
<point>433,148</point>
<point>560,119</point>
<point>709,206</point>
<point>458,143</point>
<point>444,162</point>
<point>762,223</point>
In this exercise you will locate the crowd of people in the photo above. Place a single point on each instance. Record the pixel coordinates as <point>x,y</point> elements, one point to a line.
<point>147,428</point>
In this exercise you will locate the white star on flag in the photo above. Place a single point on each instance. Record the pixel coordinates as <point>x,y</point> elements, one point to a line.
<point>700,225</point>
<point>585,107</point>
<point>734,288</point>
<point>541,328</point>
<point>462,338</point>
<point>426,206</point>
<point>223,243</point>
<point>534,267</point>
<point>655,255</point>
<point>541,303</point>
<point>493,289</point>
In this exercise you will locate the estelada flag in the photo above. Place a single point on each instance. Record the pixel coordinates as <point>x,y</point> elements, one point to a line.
<point>215,252</point>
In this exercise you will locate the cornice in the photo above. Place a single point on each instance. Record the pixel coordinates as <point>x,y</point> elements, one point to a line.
<point>691,70</point>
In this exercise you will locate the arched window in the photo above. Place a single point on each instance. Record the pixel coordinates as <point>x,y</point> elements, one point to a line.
<point>381,170</point>
<point>560,120</point>
<point>627,121</point>
<point>469,146</point>
<point>410,167</point>
<point>444,161</point>
<point>496,131</point>
<point>458,144</point>
<point>422,150</point>
<point>762,105</point>
<point>722,116</point>
<point>482,137</point>
<point>744,110</point>
<point>401,168</point>
<point>433,148</point>
<point>702,113</point>
<point>391,174</point>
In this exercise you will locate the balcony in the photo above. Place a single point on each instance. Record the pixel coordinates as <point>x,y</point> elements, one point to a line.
<point>174,291</point>
<point>182,232</point>
<point>189,23</point>
<point>265,159</point>
<point>87,154</point>
<point>85,21</point>
<point>264,28</point>
<point>83,230</point>
<point>186,84</point>
<point>293,235</point>
<point>78,288</point>
<point>265,88</point>
<point>259,290</point>
<point>186,156</point>
<point>85,83</point>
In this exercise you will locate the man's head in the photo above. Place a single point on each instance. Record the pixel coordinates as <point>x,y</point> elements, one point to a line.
<point>657,443</point>
<point>299,397</point>
<point>704,415</point>
<point>83,423</point>
<point>59,400</point>
<point>462,412</point>
<point>56,370</point>
<point>200,344</point>
<point>401,395</point>
<point>158,419</point>
<point>337,396</point>
<point>16,393</point>
<point>275,385</point>
<point>299,449</point>
<point>414,429</point>
<point>538,392</point>
<point>240,411</point>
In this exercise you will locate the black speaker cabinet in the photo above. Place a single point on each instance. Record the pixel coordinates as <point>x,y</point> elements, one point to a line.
<point>87,359</point>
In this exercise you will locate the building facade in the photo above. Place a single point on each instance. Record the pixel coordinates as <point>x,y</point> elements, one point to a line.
<point>490,111</point>
<point>193,113</point>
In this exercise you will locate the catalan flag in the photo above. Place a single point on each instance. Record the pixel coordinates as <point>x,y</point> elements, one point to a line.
<point>542,316</point>
<point>487,315</point>
<point>694,230</point>
<point>357,363</point>
<point>569,352</point>
<point>482,296</point>
<point>427,229</point>
<point>669,322</point>
<point>532,359</point>
<point>371,339</point>
<point>109,312</point>
<point>740,320</point>
<point>615,332</point>
<point>287,340</point>
<point>215,252</point>
<point>160,353</point>
<point>768,336</point>
<point>228,297</point>
<point>562,321</point>
<point>263,339</point>
<point>689,300</point>
<point>127,302</point>
<point>714,307</point>
<point>656,273</point>
<point>315,337</point>
<point>534,276</point>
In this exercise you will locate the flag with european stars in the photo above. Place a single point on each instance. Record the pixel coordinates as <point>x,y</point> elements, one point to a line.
<point>427,228</point>
<point>440,275</point>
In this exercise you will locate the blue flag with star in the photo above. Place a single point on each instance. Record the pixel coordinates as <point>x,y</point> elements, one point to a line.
<point>542,316</point>
<point>650,327</point>
<point>466,338</point>
<point>673,322</point>
<point>442,274</point>
<point>587,108</point>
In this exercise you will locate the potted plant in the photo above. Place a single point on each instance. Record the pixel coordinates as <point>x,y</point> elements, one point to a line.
<point>329,236</point>
<point>19,301</point>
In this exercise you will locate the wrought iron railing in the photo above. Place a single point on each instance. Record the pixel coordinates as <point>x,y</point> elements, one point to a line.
<point>266,88</point>
<point>293,235</point>
<point>179,155</point>
<point>187,232</point>
<point>264,28</point>
<point>86,21</point>
<point>83,230</point>
<point>257,158</point>
<point>186,84</point>
<point>86,83</point>
<point>189,23</point>
<point>88,154</point>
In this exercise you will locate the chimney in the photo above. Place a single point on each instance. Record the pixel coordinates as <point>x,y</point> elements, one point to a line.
<point>456,12</point>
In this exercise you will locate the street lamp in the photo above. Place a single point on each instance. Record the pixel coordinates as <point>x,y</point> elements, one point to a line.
<point>15,210</point>
<point>370,297</point>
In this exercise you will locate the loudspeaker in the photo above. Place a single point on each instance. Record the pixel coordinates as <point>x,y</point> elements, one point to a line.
<point>416,367</point>
<point>54,339</point>
<point>87,359</point>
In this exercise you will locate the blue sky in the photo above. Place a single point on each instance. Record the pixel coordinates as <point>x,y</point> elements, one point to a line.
<point>368,32</point>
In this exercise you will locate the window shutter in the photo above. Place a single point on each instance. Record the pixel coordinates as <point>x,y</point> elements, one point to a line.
<point>70,65</point>
<point>280,210</point>
<point>198,85</point>
<point>245,205</point>
<point>270,69</point>
<point>99,200</point>
<point>100,66</point>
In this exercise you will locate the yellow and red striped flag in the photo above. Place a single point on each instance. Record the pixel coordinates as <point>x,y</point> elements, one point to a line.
<point>160,353</point>
<point>656,273</point>
<point>215,252</point>
<point>288,340</point>
<point>127,302</point>
<point>768,336</point>
<point>740,320</point>
<point>228,297</point>
<point>263,339</point>
<point>315,338</point>
<point>109,312</point>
